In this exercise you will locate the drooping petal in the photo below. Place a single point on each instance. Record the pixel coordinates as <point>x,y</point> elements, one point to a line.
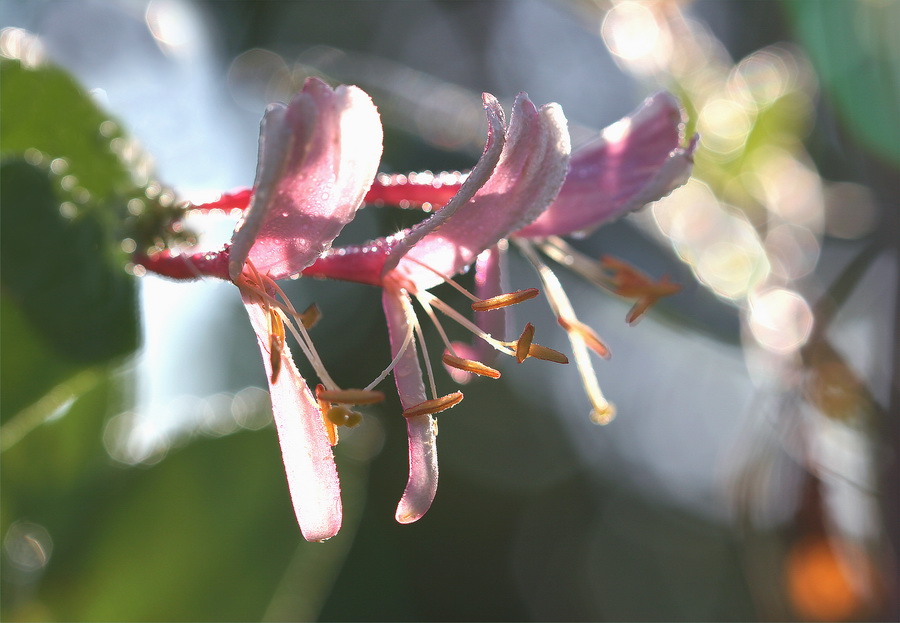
<point>635,161</point>
<point>423,467</point>
<point>308,461</point>
<point>317,159</point>
<point>528,176</point>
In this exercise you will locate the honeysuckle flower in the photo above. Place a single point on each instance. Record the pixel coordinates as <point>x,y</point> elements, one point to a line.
<point>292,218</point>
<point>317,158</point>
<point>525,190</point>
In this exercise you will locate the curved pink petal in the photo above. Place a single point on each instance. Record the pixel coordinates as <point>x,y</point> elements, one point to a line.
<point>423,467</point>
<point>317,159</point>
<point>635,161</point>
<point>308,460</point>
<point>527,177</point>
<point>477,178</point>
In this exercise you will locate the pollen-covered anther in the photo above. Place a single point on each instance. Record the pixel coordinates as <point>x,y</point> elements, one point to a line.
<point>430,407</point>
<point>467,365</point>
<point>591,339</point>
<point>505,300</point>
<point>310,316</point>
<point>523,345</point>
<point>350,396</point>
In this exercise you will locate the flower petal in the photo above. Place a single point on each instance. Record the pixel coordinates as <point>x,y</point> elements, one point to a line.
<point>528,176</point>
<point>317,159</point>
<point>423,467</point>
<point>308,461</point>
<point>635,161</point>
<point>480,174</point>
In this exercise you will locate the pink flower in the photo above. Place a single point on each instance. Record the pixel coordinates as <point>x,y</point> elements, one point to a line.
<point>317,158</point>
<point>524,188</point>
<point>519,173</point>
<point>309,184</point>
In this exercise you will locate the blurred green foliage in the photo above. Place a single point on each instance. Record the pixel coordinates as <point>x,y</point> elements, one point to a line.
<point>67,302</point>
<point>856,52</point>
<point>521,528</point>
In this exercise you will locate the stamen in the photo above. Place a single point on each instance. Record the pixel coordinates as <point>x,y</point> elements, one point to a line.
<point>563,253</point>
<point>430,407</point>
<point>312,355</point>
<point>545,353</point>
<point>447,279</point>
<point>310,316</point>
<point>350,396</point>
<point>590,338</point>
<point>428,370</point>
<point>437,325</point>
<point>256,285</point>
<point>406,342</point>
<point>276,343</point>
<point>602,411</point>
<point>505,300</point>
<point>475,367</point>
<point>503,347</point>
<point>324,407</point>
<point>523,346</point>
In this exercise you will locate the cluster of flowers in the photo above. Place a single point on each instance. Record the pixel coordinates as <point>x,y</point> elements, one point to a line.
<point>318,162</point>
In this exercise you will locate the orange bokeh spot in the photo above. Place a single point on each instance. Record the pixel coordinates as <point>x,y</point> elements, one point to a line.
<point>818,582</point>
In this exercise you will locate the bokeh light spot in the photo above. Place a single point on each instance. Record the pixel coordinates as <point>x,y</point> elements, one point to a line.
<point>780,320</point>
<point>28,545</point>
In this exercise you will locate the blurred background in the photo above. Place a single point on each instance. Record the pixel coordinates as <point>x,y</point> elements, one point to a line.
<point>752,471</point>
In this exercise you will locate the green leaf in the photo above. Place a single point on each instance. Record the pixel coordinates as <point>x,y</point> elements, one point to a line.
<point>68,303</point>
<point>856,53</point>
<point>61,271</point>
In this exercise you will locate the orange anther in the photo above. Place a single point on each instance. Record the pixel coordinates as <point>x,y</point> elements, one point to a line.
<point>546,354</point>
<point>475,367</point>
<point>590,338</point>
<point>324,407</point>
<point>629,282</point>
<point>430,407</point>
<point>276,344</point>
<point>350,396</point>
<point>310,316</point>
<point>505,300</point>
<point>523,346</point>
